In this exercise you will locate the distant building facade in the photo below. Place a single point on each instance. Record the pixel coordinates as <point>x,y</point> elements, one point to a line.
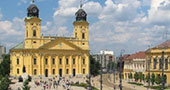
<point>106,57</point>
<point>155,55</point>
<point>2,51</point>
<point>134,63</point>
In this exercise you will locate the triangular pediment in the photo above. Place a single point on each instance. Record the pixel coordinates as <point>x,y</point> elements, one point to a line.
<point>60,44</point>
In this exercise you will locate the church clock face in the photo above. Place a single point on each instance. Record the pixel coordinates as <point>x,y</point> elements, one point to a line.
<point>34,10</point>
<point>83,14</point>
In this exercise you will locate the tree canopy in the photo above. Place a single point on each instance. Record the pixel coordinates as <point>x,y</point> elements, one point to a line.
<point>94,66</point>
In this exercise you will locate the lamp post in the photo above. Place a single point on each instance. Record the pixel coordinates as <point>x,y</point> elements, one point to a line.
<point>149,62</point>
<point>120,74</point>
<point>101,71</point>
<point>89,76</point>
<point>162,64</point>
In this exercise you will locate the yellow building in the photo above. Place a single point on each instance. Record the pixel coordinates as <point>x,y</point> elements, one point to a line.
<point>47,56</point>
<point>155,55</point>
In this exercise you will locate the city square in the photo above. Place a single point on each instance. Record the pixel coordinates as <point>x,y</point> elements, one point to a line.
<point>85,45</point>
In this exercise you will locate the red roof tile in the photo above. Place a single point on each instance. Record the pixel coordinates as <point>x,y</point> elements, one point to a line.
<point>164,44</point>
<point>138,55</point>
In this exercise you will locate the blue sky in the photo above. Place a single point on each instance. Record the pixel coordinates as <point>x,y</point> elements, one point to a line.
<point>114,24</point>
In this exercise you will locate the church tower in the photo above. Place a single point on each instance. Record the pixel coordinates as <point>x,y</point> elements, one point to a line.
<point>81,27</point>
<point>33,27</point>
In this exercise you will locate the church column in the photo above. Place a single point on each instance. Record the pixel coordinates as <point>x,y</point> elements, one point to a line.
<point>77,64</point>
<point>57,64</point>
<point>42,65</point>
<point>64,65</point>
<point>80,65</point>
<point>71,65</point>
<point>31,64</point>
<point>87,64</point>
<point>50,65</point>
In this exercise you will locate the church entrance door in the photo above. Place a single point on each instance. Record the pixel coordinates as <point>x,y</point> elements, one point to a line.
<point>60,72</point>
<point>46,72</point>
<point>74,72</point>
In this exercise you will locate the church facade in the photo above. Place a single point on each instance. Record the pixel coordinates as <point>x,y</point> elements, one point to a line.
<point>46,56</point>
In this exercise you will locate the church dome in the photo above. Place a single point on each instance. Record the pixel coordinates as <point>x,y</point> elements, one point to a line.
<point>81,15</point>
<point>33,11</point>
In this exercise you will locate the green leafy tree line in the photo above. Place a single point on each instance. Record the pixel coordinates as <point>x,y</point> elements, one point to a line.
<point>94,66</point>
<point>4,72</point>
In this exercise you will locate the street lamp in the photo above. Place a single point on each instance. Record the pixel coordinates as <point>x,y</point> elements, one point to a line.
<point>120,74</point>
<point>162,64</point>
<point>101,71</point>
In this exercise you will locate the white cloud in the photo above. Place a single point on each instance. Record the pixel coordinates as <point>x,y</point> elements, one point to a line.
<point>12,32</point>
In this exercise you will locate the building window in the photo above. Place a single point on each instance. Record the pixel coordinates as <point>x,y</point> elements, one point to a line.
<point>35,61</point>
<point>83,35</point>
<point>60,61</point>
<point>17,71</point>
<point>67,71</point>
<point>83,61</point>
<point>66,60</point>
<point>74,61</point>
<point>154,63</point>
<point>35,72</point>
<point>53,60</point>
<point>17,60</point>
<point>166,64</point>
<point>46,61</point>
<point>53,71</point>
<point>84,71</point>
<point>34,33</point>
<point>160,64</point>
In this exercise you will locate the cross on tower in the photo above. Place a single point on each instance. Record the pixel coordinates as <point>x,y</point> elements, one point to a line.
<point>33,1</point>
<point>81,5</point>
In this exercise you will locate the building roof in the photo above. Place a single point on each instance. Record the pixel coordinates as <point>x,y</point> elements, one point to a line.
<point>19,46</point>
<point>165,44</point>
<point>138,55</point>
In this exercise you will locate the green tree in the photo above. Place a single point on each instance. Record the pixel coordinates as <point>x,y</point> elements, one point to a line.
<point>153,78</point>
<point>26,85</point>
<point>4,72</point>
<point>4,83</point>
<point>94,66</point>
<point>111,66</point>
<point>130,76</point>
<point>158,79</point>
<point>5,65</point>
<point>136,76</point>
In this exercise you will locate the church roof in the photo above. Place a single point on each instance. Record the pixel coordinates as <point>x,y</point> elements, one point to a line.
<point>19,46</point>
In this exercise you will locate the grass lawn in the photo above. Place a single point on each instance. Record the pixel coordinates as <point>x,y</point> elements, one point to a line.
<point>138,84</point>
<point>84,85</point>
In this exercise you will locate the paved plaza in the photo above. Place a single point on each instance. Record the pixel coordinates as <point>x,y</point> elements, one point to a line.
<point>95,81</point>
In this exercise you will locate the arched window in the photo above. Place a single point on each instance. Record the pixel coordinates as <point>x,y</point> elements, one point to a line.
<point>35,72</point>
<point>160,63</point>
<point>35,61</point>
<point>27,33</point>
<point>34,33</point>
<point>154,63</point>
<point>83,35</point>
